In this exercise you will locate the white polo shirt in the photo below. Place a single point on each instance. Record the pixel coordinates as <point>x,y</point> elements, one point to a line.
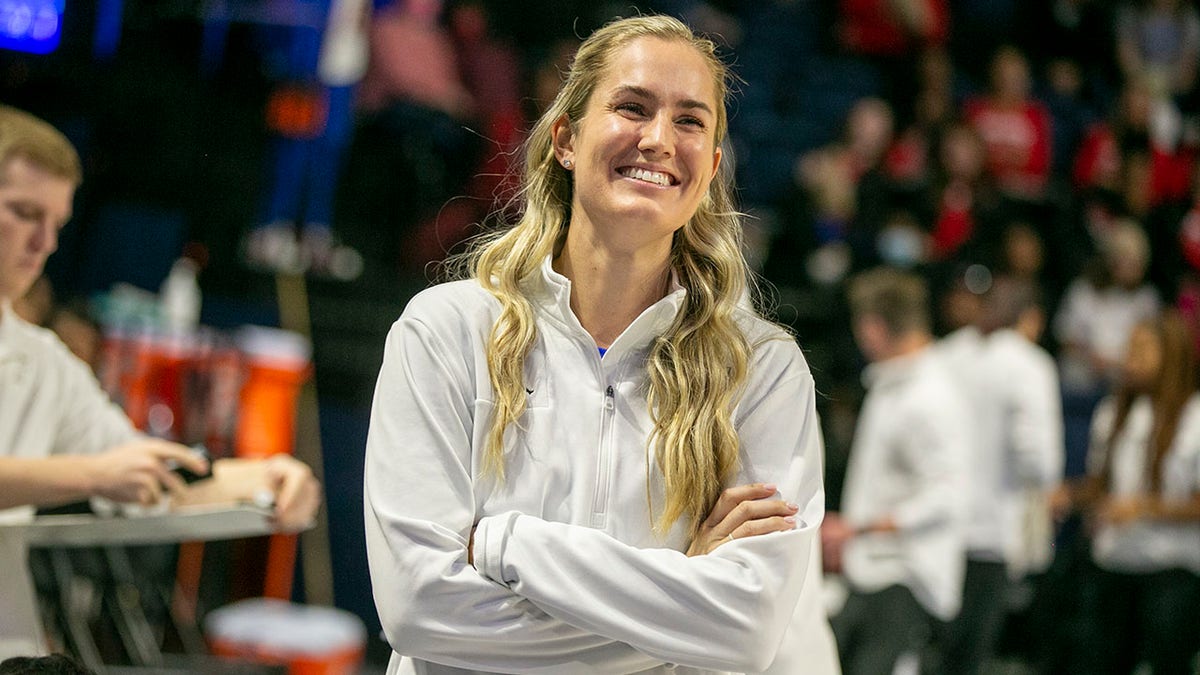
<point>908,462</point>
<point>49,404</point>
<point>1017,446</point>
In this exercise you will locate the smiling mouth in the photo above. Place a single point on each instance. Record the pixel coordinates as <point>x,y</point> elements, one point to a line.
<point>646,176</point>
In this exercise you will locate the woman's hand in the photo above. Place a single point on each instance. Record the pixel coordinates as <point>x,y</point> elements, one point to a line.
<point>1121,511</point>
<point>743,511</point>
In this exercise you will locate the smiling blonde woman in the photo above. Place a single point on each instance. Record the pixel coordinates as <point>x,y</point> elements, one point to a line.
<point>591,456</point>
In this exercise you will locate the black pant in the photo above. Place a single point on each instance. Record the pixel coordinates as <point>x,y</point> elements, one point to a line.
<point>962,645</point>
<point>874,629</point>
<point>1142,617</point>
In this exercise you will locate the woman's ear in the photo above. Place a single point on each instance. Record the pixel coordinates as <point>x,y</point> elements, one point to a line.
<point>564,141</point>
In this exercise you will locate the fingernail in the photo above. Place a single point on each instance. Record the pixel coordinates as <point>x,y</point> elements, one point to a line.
<point>768,486</point>
<point>794,507</point>
<point>791,520</point>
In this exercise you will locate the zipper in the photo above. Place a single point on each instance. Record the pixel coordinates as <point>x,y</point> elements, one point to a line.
<point>604,459</point>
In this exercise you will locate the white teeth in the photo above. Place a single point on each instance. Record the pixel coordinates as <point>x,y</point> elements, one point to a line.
<point>648,176</point>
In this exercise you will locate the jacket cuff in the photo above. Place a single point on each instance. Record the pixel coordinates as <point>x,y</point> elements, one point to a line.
<point>491,538</point>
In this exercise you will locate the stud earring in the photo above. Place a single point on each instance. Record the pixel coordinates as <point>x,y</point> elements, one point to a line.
<point>567,164</point>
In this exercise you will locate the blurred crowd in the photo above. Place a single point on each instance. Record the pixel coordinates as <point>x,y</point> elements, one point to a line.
<point>1033,165</point>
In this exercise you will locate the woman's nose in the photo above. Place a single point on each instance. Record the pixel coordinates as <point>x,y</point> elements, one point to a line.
<point>658,136</point>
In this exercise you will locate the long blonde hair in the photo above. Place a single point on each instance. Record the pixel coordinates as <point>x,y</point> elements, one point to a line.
<point>696,369</point>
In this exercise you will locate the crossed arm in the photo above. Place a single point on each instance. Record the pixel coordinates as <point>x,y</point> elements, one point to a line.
<point>547,596</point>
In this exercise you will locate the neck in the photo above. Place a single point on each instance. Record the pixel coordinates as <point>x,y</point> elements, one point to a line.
<point>610,289</point>
<point>907,344</point>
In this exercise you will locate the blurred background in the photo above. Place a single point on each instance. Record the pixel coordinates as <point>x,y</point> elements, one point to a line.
<point>350,145</point>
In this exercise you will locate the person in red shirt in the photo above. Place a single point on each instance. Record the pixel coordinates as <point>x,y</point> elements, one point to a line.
<point>893,34</point>
<point>1015,128</point>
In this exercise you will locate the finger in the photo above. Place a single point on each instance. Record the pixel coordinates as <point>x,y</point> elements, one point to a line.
<point>163,477</point>
<point>295,498</point>
<point>753,510</point>
<point>177,455</point>
<point>733,496</point>
<point>147,495</point>
<point>763,526</point>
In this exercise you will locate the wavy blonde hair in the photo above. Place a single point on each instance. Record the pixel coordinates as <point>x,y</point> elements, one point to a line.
<point>697,368</point>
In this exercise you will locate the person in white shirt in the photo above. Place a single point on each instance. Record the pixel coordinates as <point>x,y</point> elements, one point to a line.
<point>1100,308</point>
<point>61,439</point>
<point>1016,461</point>
<point>898,539</point>
<point>592,456</point>
<point>1142,498</point>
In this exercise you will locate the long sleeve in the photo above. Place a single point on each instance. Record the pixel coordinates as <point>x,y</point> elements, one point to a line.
<point>934,450</point>
<point>727,610</point>
<point>1036,424</point>
<point>420,507</point>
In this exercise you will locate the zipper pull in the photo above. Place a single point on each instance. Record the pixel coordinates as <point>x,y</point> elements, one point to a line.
<point>608,398</point>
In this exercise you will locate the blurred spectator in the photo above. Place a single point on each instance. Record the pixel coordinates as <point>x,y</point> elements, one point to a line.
<point>310,115</point>
<point>1142,495</point>
<point>963,197</point>
<point>893,33</point>
<point>1159,40</point>
<point>413,60</point>
<point>1023,254</point>
<point>1100,308</point>
<point>491,73</point>
<point>909,161</point>
<point>1070,114</point>
<point>844,195</point>
<point>1012,387</point>
<point>1015,128</point>
<point>417,120</point>
<point>898,539</point>
<point>1137,154</point>
<point>960,308</point>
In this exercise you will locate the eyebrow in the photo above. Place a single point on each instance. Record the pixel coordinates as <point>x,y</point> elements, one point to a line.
<point>646,93</point>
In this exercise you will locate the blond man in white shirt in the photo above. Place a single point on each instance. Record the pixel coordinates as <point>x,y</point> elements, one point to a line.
<point>898,539</point>
<point>61,439</point>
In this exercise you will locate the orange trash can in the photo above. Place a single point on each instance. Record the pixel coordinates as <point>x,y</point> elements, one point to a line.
<point>308,640</point>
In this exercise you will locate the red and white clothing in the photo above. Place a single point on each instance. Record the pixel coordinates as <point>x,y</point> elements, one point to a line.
<point>1018,142</point>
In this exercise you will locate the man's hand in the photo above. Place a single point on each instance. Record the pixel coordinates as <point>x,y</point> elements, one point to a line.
<point>743,511</point>
<point>140,470</point>
<point>835,532</point>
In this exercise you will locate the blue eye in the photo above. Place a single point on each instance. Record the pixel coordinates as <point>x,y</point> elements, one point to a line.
<point>635,108</point>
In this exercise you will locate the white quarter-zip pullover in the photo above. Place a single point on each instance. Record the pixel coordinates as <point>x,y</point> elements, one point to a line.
<point>572,577</point>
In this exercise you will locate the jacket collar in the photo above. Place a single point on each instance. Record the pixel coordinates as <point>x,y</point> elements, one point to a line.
<point>551,294</point>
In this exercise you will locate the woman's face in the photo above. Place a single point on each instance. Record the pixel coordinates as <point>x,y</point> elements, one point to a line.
<point>644,153</point>
<point>1143,358</point>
